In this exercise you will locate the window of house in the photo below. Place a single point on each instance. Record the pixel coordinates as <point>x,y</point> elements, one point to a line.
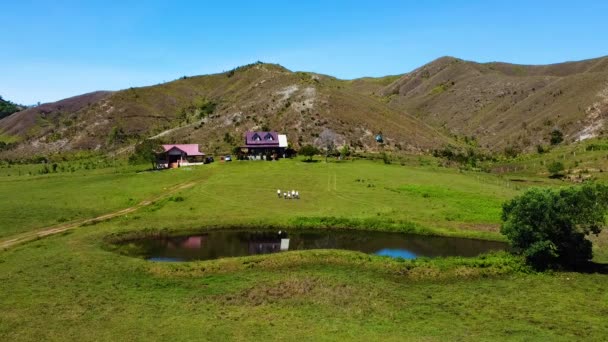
<point>268,137</point>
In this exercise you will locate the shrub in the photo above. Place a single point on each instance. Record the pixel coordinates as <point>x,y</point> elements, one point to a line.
<point>309,151</point>
<point>556,137</point>
<point>555,168</point>
<point>345,151</point>
<point>541,149</point>
<point>386,158</point>
<point>549,226</point>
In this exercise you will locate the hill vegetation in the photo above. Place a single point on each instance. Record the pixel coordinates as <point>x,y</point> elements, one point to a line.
<point>7,108</point>
<point>489,108</point>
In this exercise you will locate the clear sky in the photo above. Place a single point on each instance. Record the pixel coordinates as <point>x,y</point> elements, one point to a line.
<point>56,49</point>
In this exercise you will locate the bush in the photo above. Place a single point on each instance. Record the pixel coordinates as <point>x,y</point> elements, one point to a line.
<point>385,158</point>
<point>549,226</point>
<point>556,137</point>
<point>541,149</point>
<point>555,169</point>
<point>345,151</point>
<point>309,151</point>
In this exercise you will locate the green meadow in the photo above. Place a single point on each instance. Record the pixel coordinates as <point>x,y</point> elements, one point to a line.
<point>75,285</point>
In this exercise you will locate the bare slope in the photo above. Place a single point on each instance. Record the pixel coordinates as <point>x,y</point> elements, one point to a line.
<point>505,104</point>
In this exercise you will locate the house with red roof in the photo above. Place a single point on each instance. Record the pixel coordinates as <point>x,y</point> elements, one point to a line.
<point>264,145</point>
<point>176,155</point>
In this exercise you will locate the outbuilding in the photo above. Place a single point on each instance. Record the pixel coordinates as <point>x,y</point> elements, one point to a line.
<point>177,155</point>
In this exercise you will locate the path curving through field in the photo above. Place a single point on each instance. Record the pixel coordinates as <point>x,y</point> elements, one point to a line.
<point>56,229</point>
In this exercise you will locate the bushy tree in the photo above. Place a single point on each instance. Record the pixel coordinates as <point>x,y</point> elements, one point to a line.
<point>145,152</point>
<point>328,138</point>
<point>549,227</point>
<point>556,137</point>
<point>555,168</point>
<point>309,151</point>
<point>345,151</point>
<point>7,108</point>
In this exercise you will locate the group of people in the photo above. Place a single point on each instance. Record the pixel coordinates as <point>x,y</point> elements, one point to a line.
<point>289,194</point>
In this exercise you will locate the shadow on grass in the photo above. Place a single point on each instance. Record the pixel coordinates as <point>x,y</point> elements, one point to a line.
<point>590,268</point>
<point>310,161</point>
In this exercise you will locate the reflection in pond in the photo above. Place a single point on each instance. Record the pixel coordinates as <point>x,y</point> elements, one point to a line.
<point>218,244</point>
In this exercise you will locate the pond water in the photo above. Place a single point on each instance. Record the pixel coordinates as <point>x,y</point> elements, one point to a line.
<point>220,244</point>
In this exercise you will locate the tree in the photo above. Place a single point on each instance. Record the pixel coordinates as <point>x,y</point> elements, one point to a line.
<point>309,151</point>
<point>555,168</point>
<point>345,151</point>
<point>328,138</point>
<point>145,152</point>
<point>549,226</point>
<point>7,108</point>
<point>556,137</point>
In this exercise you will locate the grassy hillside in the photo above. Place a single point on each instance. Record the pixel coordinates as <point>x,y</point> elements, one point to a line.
<point>73,286</point>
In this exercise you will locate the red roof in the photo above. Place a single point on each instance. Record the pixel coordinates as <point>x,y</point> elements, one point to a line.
<point>189,149</point>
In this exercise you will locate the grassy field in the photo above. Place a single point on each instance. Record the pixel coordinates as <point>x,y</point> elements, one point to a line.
<point>29,202</point>
<point>72,286</point>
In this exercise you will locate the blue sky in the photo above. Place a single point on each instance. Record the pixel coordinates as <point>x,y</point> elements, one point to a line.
<point>56,49</point>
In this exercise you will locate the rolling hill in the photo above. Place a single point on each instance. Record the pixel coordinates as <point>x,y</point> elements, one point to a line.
<point>504,104</point>
<point>497,105</point>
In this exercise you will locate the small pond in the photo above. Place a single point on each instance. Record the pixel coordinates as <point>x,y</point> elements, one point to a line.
<point>220,244</point>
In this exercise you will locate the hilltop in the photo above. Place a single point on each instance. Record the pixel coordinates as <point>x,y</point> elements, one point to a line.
<point>495,105</point>
<point>506,105</point>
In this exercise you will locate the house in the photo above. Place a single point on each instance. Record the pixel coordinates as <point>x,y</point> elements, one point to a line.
<point>264,146</point>
<point>179,155</point>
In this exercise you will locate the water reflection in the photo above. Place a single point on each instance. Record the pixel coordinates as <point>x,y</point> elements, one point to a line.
<point>218,244</point>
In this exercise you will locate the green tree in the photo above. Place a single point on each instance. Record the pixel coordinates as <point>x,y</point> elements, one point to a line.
<point>309,151</point>
<point>145,152</point>
<point>549,227</point>
<point>345,151</point>
<point>7,108</point>
<point>556,137</point>
<point>555,169</point>
<point>116,136</point>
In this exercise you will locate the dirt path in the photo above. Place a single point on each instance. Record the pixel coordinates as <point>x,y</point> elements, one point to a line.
<point>52,230</point>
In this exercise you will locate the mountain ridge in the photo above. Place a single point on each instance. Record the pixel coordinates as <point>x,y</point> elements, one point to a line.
<point>499,105</point>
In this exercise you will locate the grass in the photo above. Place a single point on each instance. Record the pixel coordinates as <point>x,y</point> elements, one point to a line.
<point>73,286</point>
<point>587,159</point>
<point>32,202</point>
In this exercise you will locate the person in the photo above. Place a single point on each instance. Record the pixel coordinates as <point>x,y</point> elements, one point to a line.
<point>285,195</point>
<point>297,194</point>
<point>279,193</point>
<point>293,193</point>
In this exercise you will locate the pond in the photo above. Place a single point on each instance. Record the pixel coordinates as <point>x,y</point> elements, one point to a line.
<point>220,244</point>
